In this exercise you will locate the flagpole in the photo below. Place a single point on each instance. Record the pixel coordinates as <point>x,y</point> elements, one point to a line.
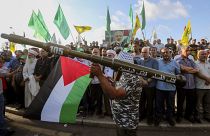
<point>71,34</point>
<point>110,38</point>
<point>190,38</point>
<point>82,38</point>
<point>143,35</point>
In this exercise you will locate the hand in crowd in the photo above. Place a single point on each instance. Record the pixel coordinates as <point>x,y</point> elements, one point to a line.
<point>37,78</point>
<point>207,81</point>
<point>27,79</point>
<point>95,69</point>
<point>143,82</point>
<point>196,70</point>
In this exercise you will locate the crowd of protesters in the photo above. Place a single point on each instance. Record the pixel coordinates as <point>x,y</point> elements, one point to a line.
<point>23,74</point>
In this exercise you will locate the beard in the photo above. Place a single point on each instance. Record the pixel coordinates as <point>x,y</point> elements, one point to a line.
<point>30,60</point>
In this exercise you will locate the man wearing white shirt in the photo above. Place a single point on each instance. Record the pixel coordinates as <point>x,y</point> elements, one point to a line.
<point>28,71</point>
<point>109,73</point>
<point>202,88</point>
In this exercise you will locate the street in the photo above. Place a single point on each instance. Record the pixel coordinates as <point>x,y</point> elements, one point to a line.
<point>25,127</point>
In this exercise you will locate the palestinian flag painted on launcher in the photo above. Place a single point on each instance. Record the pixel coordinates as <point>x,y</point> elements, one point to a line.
<point>59,97</point>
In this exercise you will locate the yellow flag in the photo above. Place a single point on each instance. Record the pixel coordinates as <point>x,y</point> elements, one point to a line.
<point>137,26</point>
<point>186,34</point>
<point>12,47</point>
<point>81,29</point>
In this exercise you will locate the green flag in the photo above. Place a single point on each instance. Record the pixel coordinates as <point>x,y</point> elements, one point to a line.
<point>131,15</point>
<point>131,18</point>
<point>143,17</point>
<point>42,19</point>
<point>36,24</point>
<point>61,23</point>
<point>108,22</point>
<point>44,24</point>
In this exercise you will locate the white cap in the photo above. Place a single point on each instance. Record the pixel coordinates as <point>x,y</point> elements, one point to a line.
<point>111,52</point>
<point>33,52</point>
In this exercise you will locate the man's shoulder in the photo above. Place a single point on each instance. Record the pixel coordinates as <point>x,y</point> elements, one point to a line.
<point>13,60</point>
<point>179,58</point>
<point>153,59</point>
<point>191,60</point>
<point>174,61</point>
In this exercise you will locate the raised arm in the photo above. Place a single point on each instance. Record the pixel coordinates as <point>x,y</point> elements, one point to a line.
<point>108,89</point>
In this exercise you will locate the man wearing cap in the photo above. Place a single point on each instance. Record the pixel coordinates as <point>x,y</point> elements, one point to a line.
<point>109,72</point>
<point>28,71</point>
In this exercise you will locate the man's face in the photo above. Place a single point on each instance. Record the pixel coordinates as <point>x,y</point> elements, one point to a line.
<point>168,40</point>
<point>194,41</point>
<point>43,53</point>
<point>153,51</point>
<point>166,54</point>
<point>145,53</point>
<point>154,42</point>
<point>203,41</point>
<point>171,41</point>
<point>202,56</point>
<point>110,55</point>
<point>118,36</point>
<point>96,52</point>
<point>158,41</point>
<point>136,46</point>
<point>186,52</point>
<point>103,52</point>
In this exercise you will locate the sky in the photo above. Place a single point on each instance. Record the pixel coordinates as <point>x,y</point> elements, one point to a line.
<point>167,17</point>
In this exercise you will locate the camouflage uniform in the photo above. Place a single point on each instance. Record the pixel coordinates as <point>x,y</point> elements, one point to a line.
<point>126,110</point>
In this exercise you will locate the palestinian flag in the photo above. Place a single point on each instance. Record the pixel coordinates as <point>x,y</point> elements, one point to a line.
<point>60,95</point>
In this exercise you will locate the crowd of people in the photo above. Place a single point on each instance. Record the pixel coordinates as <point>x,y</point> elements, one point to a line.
<point>22,76</point>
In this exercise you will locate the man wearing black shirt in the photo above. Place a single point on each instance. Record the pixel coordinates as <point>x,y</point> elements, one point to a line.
<point>171,45</point>
<point>42,68</point>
